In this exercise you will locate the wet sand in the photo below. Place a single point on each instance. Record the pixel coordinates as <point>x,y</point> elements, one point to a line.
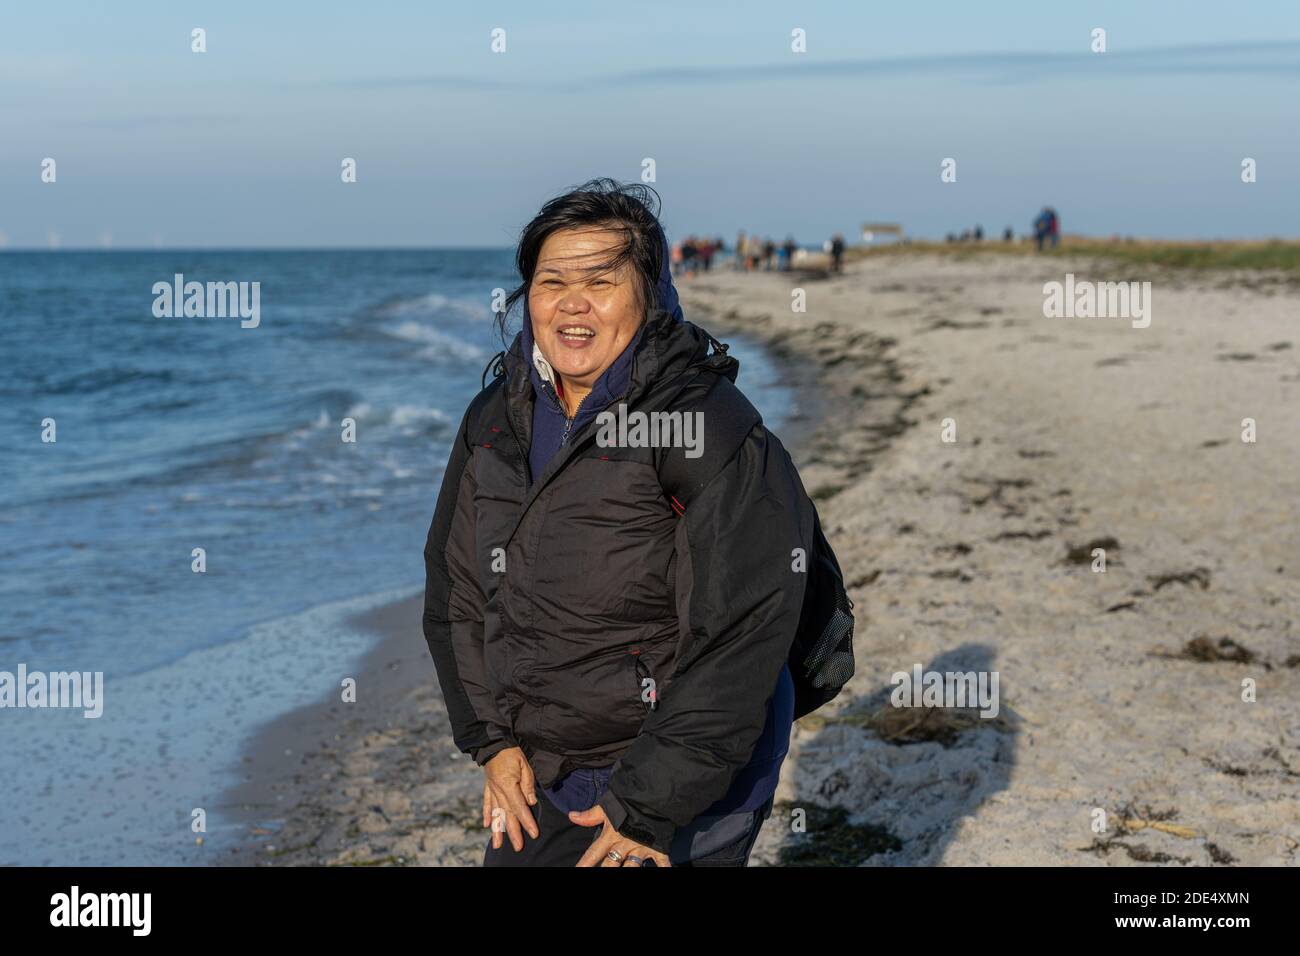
<point>1120,691</point>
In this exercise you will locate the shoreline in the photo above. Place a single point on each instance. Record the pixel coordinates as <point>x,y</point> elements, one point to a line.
<point>303,744</point>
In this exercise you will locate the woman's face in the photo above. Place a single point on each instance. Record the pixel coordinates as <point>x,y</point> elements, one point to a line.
<point>582,320</point>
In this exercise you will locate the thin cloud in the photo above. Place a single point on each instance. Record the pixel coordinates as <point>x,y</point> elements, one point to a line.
<point>1255,58</point>
<point>1266,57</point>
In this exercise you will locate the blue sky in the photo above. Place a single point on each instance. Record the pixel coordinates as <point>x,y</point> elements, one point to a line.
<point>241,146</point>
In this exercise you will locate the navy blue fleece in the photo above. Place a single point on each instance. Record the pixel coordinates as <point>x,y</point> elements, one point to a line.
<point>549,418</point>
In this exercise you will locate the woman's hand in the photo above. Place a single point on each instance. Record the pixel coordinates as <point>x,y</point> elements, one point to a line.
<point>630,853</point>
<point>507,795</point>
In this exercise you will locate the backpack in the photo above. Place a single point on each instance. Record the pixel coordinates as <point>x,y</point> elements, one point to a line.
<point>821,655</point>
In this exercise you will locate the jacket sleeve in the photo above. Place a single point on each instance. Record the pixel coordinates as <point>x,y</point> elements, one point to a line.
<point>743,597</point>
<point>453,611</point>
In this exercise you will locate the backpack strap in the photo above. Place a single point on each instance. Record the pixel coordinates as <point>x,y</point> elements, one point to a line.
<point>728,420</point>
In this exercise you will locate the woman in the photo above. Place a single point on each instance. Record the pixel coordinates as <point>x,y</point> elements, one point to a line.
<point>610,609</point>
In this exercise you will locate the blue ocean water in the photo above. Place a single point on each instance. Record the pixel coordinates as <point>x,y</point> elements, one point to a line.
<point>183,433</point>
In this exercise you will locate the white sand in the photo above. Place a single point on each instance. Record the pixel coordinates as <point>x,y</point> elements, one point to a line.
<point>1068,430</point>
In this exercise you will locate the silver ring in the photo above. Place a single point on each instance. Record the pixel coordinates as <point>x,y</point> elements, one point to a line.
<point>634,859</point>
<point>614,855</point>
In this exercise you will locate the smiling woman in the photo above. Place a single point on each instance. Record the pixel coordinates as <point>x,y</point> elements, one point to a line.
<point>618,647</point>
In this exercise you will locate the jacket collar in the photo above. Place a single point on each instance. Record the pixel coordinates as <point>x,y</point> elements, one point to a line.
<point>668,355</point>
<point>611,385</point>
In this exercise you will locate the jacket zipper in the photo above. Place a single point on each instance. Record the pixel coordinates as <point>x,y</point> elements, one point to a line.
<point>642,671</point>
<point>568,421</point>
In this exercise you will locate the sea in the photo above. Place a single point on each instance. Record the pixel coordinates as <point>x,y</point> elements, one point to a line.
<point>180,512</point>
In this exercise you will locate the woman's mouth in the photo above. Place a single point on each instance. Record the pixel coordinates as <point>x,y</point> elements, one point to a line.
<point>575,336</point>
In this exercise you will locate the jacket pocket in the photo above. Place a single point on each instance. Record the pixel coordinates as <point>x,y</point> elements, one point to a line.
<point>595,703</point>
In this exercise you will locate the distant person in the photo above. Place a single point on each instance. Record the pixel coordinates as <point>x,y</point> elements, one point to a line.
<point>675,255</point>
<point>1040,229</point>
<point>739,253</point>
<point>837,253</point>
<point>979,233</point>
<point>705,253</point>
<point>1008,234</point>
<point>1046,228</point>
<point>787,250</point>
<point>769,254</point>
<point>688,256</point>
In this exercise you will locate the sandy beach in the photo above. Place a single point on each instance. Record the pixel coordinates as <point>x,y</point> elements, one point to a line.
<point>1122,736</point>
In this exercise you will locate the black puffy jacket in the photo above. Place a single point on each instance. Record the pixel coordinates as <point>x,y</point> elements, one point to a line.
<point>546,606</point>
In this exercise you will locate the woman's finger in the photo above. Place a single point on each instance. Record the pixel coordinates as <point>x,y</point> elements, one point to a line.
<point>487,804</point>
<point>595,855</point>
<point>498,827</point>
<point>527,782</point>
<point>515,831</point>
<point>622,848</point>
<point>501,818</point>
<point>638,855</point>
<point>519,808</point>
<point>504,806</point>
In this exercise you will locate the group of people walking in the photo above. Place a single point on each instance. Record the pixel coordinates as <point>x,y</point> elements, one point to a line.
<point>755,253</point>
<point>694,254</point>
<point>751,253</point>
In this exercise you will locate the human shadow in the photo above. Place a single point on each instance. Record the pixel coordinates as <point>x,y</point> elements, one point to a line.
<point>884,785</point>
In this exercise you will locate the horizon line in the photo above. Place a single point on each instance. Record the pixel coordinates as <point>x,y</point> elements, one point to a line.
<point>990,239</point>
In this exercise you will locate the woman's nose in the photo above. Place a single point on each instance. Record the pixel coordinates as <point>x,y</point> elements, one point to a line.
<point>573,303</point>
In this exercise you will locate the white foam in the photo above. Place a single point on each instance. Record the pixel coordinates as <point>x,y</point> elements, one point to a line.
<point>440,344</point>
<point>120,789</point>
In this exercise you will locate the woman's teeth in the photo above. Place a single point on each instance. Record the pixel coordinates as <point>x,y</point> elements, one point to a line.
<point>577,333</point>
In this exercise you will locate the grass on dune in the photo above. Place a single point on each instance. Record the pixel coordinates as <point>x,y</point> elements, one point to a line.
<point>1269,256</point>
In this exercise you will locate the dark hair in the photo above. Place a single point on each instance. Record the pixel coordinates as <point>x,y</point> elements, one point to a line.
<point>629,208</point>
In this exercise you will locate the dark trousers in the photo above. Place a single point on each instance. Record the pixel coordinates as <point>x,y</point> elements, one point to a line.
<point>561,842</point>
